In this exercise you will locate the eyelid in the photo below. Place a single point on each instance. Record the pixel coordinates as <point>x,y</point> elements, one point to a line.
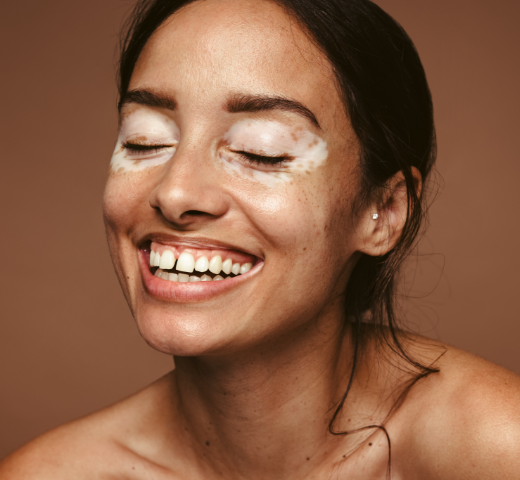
<point>141,149</point>
<point>146,146</point>
<point>147,122</point>
<point>267,160</point>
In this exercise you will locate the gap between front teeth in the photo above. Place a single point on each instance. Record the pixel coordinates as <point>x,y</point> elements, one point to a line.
<point>186,263</point>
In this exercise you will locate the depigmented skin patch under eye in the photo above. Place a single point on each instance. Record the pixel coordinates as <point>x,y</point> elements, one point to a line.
<point>306,150</point>
<point>144,126</point>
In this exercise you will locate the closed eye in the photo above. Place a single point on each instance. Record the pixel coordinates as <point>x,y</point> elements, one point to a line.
<point>143,149</point>
<point>255,158</point>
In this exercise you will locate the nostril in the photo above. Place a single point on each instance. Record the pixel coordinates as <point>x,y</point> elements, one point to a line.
<point>194,213</point>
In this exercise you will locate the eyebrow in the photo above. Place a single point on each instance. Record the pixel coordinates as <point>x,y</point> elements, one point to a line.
<point>259,103</point>
<point>236,104</point>
<point>145,97</point>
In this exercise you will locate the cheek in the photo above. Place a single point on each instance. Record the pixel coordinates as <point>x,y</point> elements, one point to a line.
<point>287,216</point>
<point>268,179</point>
<point>125,198</point>
<point>311,218</point>
<point>121,163</point>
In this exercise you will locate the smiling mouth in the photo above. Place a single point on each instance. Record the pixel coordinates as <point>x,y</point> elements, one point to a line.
<point>186,264</point>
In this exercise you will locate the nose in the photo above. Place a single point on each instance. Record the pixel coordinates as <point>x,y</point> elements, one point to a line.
<point>188,193</point>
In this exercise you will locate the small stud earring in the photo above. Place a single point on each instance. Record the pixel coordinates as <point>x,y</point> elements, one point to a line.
<point>375,216</point>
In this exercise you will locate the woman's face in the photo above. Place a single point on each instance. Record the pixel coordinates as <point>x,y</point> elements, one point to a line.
<point>234,147</point>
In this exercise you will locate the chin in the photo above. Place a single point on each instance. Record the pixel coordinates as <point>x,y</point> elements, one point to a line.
<point>184,333</point>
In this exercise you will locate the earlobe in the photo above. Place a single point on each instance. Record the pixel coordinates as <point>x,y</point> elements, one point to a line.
<point>383,221</point>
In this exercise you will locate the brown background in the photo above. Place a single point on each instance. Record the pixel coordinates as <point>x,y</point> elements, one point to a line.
<point>68,345</point>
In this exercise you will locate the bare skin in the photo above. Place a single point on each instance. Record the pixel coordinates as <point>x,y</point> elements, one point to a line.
<point>260,365</point>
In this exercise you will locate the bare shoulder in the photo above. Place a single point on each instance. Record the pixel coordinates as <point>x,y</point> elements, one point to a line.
<point>106,444</point>
<point>464,422</point>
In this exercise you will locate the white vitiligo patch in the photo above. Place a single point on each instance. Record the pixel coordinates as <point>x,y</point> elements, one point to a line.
<point>145,126</point>
<point>306,150</point>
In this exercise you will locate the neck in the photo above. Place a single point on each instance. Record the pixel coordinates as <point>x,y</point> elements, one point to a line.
<point>265,413</point>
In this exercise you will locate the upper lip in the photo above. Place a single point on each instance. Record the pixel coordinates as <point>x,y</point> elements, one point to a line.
<point>194,242</point>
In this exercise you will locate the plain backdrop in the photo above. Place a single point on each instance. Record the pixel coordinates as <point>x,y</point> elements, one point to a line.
<point>68,345</point>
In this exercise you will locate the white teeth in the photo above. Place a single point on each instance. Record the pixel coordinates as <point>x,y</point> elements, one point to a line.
<point>245,268</point>
<point>186,263</point>
<point>202,264</point>
<point>167,260</point>
<point>227,266</point>
<point>215,264</point>
<point>161,274</point>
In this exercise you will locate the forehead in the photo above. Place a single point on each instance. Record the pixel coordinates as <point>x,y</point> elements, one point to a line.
<point>212,48</point>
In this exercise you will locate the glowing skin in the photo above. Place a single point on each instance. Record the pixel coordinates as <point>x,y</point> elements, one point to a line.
<point>292,214</point>
<point>304,151</point>
<point>144,126</point>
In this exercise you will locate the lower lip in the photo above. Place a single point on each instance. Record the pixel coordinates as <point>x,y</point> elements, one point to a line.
<point>189,291</point>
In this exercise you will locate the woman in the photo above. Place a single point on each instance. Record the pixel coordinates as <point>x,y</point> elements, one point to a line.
<point>264,189</point>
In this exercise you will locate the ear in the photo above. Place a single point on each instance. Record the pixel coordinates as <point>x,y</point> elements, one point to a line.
<point>378,236</point>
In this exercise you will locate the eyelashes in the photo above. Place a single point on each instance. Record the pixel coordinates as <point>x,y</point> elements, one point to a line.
<point>256,159</point>
<point>139,149</point>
